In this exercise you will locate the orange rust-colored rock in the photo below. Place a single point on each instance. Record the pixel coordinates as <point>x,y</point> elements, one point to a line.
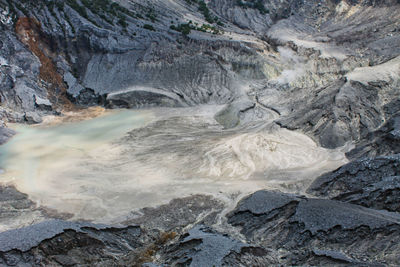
<point>30,33</point>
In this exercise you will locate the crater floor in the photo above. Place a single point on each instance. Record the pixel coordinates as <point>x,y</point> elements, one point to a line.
<point>104,169</point>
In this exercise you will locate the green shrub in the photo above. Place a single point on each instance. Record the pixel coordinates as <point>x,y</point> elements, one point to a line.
<point>22,8</point>
<point>78,8</point>
<point>190,2</point>
<point>257,4</point>
<point>70,24</point>
<point>185,29</point>
<point>60,5</point>
<point>151,16</point>
<point>206,12</point>
<point>149,27</point>
<point>107,10</point>
<point>122,22</point>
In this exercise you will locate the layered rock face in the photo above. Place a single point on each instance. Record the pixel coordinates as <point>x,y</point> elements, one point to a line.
<point>368,182</point>
<point>330,69</point>
<point>327,231</point>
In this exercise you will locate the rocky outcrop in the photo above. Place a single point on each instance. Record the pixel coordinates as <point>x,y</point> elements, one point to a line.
<point>384,141</point>
<point>276,228</point>
<point>120,52</point>
<point>18,210</point>
<point>371,183</point>
<point>229,117</point>
<point>301,58</point>
<point>65,243</point>
<point>338,113</point>
<point>317,231</point>
<point>142,97</point>
<point>29,32</point>
<point>201,246</point>
<point>189,210</point>
<point>5,134</point>
<point>290,230</point>
<point>19,73</point>
<point>342,75</point>
<point>61,243</point>
<point>13,204</point>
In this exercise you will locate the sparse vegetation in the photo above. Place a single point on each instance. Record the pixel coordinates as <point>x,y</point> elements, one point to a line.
<point>151,14</point>
<point>256,4</point>
<point>186,28</point>
<point>60,5</point>
<point>81,10</point>
<point>190,2</point>
<point>206,12</point>
<point>78,8</point>
<point>147,253</point>
<point>208,28</point>
<point>21,8</point>
<point>122,22</point>
<point>12,10</point>
<point>106,9</point>
<point>51,8</point>
<point>111,12</point>
<point>149,27</point>
<point>69,22</point>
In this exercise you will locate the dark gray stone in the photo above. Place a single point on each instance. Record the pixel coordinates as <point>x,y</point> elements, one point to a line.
<point>301,228</point>
<point>211,249</point>
<point>32,118</point>
<point>368,182</point>
<point>262,202</point>
<point>340,112</point>
<point>337,255</point>
<point>41,103</point>
<point>26,238</point>
<point>323,215</point>
<point>87,97</point>
<point>229,117</point>
<point>203,247</point>
<point>62,243</point>
<point>142,97</point>
<point>189,210</point>
<point>384,141</point>
<point>382,195</point>
<point>5,134</point>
